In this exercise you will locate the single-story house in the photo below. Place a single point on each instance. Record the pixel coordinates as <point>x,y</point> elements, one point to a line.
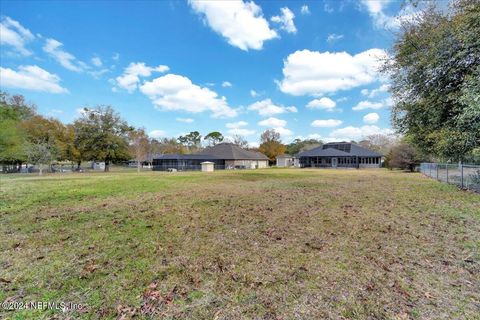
<point>340,154</point>
<point>182,162</point>
<point>285,160</point>
<point>223,155</point>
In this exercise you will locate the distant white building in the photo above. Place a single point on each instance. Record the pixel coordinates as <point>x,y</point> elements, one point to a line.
<point>100,166</point>
<point>285,160</point>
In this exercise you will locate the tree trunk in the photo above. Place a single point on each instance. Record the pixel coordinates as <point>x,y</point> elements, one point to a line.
<point>138,166</point>
<point>79,162</point>
<point>40,171</point>
<point>107,163</point>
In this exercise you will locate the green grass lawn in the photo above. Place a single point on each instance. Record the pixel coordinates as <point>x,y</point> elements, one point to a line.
<point>259,244</point>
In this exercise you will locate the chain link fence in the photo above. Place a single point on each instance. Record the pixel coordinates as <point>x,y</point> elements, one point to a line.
<point>466,176</point>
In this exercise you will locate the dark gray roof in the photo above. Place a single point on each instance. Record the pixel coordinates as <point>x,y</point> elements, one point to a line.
<point>363,152</point>
<point>176,156</point>
<point>230,151</point>
<point>320,152</point>
<point>330,150</point>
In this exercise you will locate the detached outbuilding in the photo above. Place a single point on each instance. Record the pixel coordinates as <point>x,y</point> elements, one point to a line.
<point>285,160</point>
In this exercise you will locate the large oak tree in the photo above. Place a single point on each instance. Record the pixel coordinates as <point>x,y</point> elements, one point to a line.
<point>102,135</point>
<point>435,72</point>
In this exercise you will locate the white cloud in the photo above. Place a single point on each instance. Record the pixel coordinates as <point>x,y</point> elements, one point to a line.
<point>376,6</point>
<point>362,105</point>
<point>388,102</point>
<point>327,8</point>
<point>374,92</point>
<point>31,78</point>
<point>242,131</point>
<point>185,120</point>
<point>226,84</point>
<point>314,73</point>
<point>175,92</point>
<point>314,136</point>
<point>305,9</point>
<point>371,118</point>
<point>322,103</point>
<point>267,108</point>
<point>80,111</point>
<point>241,23</point>
<point>285,20</point>
<point>116,56</point>
<point>334,37</point>
<point>156,134</point>
<point>236,125</point>
<point>130,78</point>
<point>383,20</point>
<point>15,35</point>
<point>97,62</point>
<point>356,133</point>
<point>253,93</point>
<point>329,123</point>
<point>64,58</point>
<point>253,144</point>
<point>278,125</point>
<point>98,73</point>
<point>291,109</point>
<point>237,128</point>
<point>273,122</point>
<point>283,131</point>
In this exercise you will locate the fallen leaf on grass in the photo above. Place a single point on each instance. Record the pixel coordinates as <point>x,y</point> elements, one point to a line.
<point>402,316</point>
<point>89,268</point>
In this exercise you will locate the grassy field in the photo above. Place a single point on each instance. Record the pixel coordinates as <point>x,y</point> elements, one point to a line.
<point>260,244</point>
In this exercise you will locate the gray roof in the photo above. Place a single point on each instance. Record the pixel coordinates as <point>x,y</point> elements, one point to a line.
<point>328,150</point>
<point>176,156</point>
<point>230,151</point>
<point>284,156</point>
<point>363,152</point>
<point>320,152</point>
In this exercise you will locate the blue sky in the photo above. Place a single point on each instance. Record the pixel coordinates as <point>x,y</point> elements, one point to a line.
<point>305,68</point>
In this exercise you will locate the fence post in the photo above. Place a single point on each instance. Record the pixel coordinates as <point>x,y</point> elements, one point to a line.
<point>461,168</point>
<point>447,171</point>
<point>437,171</point>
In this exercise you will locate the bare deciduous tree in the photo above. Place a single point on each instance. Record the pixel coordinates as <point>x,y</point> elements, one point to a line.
<point>139,146</point>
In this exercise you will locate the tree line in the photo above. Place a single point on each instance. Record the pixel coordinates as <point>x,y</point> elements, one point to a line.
<point>98,134</point>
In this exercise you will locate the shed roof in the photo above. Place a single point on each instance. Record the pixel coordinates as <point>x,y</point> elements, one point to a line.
<point>230,151</point>
<point>285,156</point>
